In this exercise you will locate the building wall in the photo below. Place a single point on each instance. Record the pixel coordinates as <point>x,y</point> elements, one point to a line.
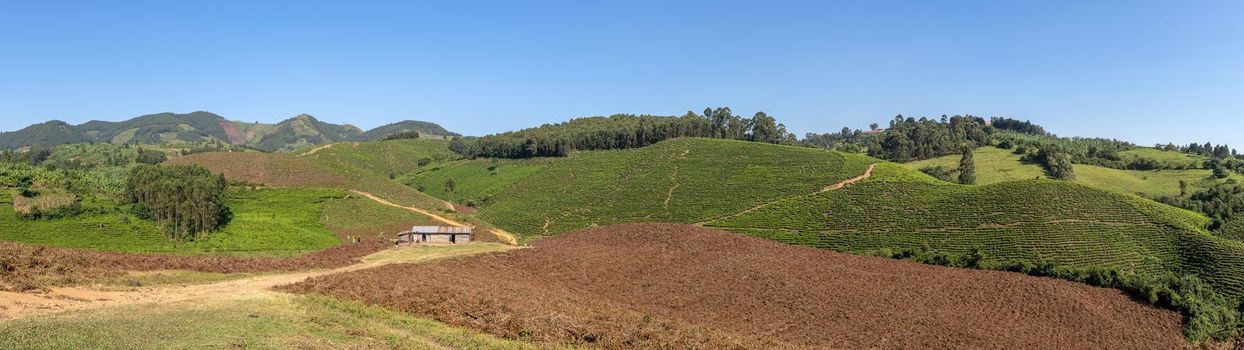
<point>443,239</point>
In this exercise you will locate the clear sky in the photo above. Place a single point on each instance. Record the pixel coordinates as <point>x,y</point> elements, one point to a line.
<point>1145,71</point>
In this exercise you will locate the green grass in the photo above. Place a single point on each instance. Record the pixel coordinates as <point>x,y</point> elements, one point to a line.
<point>1150,182</point>
<point>278,222</point>
<point>682,180</point>
<point>383,158</point>
<point>994,165</point>
<point>1177,159</point>
<point>362,217</point>
<point>474,182</point>
<point>1070,224</point>
<point>275,322</point>
<point>365,166</point>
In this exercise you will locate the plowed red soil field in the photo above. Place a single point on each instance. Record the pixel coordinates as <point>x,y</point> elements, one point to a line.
<point>27,267</point>
<point>681,286</point>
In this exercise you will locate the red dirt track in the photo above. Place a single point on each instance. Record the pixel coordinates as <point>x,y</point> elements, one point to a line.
<point>681,286</point>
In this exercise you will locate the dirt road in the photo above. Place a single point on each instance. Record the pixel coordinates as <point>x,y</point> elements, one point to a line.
<point>317,149</point>
<point>19,305</point>
<point>508,237</point>
<point>867,174</point>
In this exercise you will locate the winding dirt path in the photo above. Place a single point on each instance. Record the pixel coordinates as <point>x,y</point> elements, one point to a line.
<point>508,237</point>
<point>414,209</point>
<point>867,174</point>
<point>19,305</point>
<point>317,149</point>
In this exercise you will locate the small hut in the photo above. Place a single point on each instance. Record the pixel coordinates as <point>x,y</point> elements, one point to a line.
<point>435,235</point>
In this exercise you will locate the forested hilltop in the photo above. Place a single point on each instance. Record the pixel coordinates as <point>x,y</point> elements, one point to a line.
<point>205,127</point>
<point>621,131</point>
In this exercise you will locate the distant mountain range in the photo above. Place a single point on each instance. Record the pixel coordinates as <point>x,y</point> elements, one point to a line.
<point>300,131</point>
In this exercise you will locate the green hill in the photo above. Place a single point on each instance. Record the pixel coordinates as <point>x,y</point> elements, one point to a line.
<point>680,180</point>
<point>49,133</point>
<point>196,127</point>
<point>1069,224</point>
<point>364,166</point>
<point>423,128</point>
<point>779,192</point>
<point>994,165</point>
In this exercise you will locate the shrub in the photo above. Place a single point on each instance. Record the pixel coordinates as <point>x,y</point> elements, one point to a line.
<point>401,135</point>
<point>146,156</point>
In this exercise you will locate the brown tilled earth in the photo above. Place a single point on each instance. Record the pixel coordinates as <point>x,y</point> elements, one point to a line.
<point>264,168</point>
<point>680,286</point>
<point>26,267</point>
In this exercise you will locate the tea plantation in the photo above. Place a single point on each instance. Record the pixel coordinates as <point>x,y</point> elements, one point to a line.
<point>271,222</point>
<point>1071,225</point>
<point>681,180</point>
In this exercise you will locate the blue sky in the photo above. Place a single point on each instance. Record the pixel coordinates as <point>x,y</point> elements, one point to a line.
<point>1145,71</point>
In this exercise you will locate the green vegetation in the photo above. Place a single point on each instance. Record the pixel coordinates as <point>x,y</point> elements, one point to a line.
<point>204,127</point>
<point>184,200</point>
<point>359,217</point>
<point>994,165</point>
<point>265,222</point>
<point>1166,159</point>
<point>1069,225</point>
<point>374,166</point>
<point>302,131</point>
<point>681,180</point>
<point>967,168</point>
<point>474,180</point>
<point>270,322</point>
<point>383,159</point>
<point>1233,229</point>
<point>420,127</point>
<point>622,131</point>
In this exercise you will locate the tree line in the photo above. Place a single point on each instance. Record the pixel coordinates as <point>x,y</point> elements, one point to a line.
<point>1207,150</point>
<point>184,200</point>
<point>909,139</point>
<point>622,131</point>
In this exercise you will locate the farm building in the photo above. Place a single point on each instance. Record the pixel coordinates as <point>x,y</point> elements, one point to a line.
<point>436,235</point>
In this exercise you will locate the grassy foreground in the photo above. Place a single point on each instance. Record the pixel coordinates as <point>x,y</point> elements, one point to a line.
<point>251,318</point>
<point>279,321</point>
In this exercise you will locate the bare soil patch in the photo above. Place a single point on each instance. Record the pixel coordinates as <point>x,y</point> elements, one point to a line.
<point>26,267</point>
<point>268,169</point>
<point>59,299</point>
<point>682,286</point>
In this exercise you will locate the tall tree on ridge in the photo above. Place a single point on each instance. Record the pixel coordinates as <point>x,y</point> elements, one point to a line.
<point>967,168</point>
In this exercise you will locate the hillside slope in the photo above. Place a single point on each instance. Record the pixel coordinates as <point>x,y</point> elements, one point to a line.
<point>781,193</point>
<point>364,166</point>
<point>994,165</point>
<point>1032,220</point>
<point>422,127</point>
<point>681,180</point>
